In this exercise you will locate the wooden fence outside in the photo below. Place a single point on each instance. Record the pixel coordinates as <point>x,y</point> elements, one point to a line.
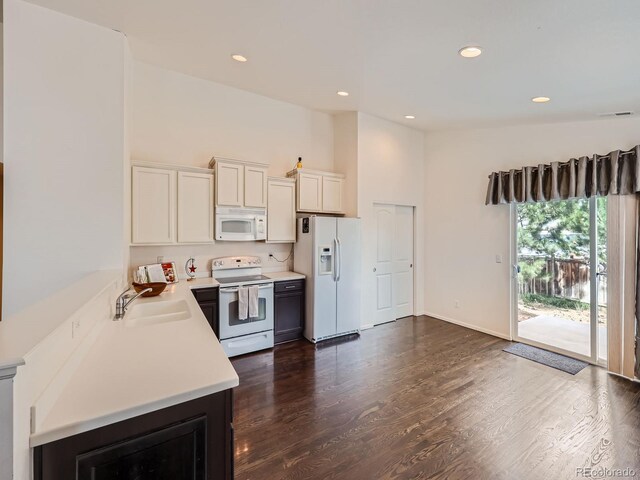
<point>560,277</point>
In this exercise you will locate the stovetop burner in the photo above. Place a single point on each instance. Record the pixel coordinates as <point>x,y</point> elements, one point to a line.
<point>238,280</point>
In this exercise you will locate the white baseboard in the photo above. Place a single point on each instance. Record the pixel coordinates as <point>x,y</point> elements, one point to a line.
<point>635,380</point>
<point>467,325</point>
<point>367,326</point>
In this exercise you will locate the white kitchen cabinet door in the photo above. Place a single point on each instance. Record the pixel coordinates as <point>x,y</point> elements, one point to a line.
<point>195,207</point>
<point>229,184</point>
<point>332,194</point>
<point>255,187</point>
<point>281,211</point>
<point>153,205</point>
<point>309,192</point>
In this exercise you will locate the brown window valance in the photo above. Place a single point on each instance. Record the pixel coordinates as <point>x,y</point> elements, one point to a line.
<point>617,173</point>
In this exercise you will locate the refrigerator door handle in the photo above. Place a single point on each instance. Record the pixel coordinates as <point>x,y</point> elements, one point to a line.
<point>339,256</point>
<point>335,260</point>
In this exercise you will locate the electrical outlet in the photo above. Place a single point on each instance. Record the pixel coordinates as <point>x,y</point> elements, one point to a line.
<point>75,326</point>
<point>271,257</point>
<point>498,258</point>
<point>457,303</point>
<point>159,259</point>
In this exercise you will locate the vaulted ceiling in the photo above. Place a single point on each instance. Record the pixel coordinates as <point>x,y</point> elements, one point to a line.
<point>397,57</point>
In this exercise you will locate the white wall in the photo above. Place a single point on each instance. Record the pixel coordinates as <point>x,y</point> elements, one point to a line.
<point>126,168</point>
<point>6,424</point>
<point>183,120</point>
<point>1,90</point>
<point>463,236</point>
<point>390,170</point>
<point>63,151</point>
<point>345,157</point>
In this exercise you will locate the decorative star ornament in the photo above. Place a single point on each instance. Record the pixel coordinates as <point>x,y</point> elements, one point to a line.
<point>190,268</point>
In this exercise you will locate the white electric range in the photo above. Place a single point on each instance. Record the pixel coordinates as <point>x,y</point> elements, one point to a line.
<point>253,333</point>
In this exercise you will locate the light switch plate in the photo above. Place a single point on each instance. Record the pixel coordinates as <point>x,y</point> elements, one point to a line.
<point>498,258</point>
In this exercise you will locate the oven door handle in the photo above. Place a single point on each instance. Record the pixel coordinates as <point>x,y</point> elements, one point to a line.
<point>235,290</point>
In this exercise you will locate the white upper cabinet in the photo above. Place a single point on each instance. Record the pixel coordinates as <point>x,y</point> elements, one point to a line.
<point>309,192</point>
<point>229,184</point>
<point>255,186</point>
<point>240,184</point>
<point>153,205</point>
<point>195,207</point>
<point>281,210</point>
<point>171,205</point>
<point>332,194</point>
<point>321,192</point>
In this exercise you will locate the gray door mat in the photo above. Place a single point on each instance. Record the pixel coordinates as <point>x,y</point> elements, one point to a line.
<point>554,360</point>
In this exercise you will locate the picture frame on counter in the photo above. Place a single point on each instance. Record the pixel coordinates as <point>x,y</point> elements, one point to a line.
<point>170,272</point>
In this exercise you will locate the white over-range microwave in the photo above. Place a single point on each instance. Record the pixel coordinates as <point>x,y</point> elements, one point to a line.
<point>241,224</point>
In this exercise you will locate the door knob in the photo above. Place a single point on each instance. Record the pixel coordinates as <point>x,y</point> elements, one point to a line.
<point>411,265</point>
<point>374,269</point>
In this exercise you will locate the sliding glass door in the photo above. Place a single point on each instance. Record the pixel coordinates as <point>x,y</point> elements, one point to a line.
<point>560,272</point>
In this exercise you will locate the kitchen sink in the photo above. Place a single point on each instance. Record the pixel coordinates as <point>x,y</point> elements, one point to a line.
<point>153,313</point>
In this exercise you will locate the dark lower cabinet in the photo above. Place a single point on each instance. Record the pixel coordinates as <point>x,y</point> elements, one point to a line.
<point>188,441</point>
<point>207,298</point>
<point>210,310</point>
<point>289,307</point>
<point>174,452</point>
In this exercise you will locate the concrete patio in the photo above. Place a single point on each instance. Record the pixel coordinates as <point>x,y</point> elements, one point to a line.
<point>562,333</point>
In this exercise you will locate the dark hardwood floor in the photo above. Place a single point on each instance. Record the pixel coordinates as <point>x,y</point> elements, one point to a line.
<point>422,398</point>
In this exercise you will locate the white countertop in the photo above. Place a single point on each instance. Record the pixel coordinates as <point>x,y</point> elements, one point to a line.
<point>284,276</point>
<point>21,332</point>
<point>133,370</point>
<point>205,282</point>
<point>275,276</point>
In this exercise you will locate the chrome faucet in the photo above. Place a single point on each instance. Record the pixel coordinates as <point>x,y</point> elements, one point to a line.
<point>124,300</point>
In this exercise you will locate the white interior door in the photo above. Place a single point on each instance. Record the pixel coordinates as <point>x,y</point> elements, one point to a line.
<point>383,268</point>
<point>402,284</point>
<point>394,262</point>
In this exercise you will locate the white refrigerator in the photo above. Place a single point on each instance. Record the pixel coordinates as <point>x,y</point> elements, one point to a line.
<point>328,252</point>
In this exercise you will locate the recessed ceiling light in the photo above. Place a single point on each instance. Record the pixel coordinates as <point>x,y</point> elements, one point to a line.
<point>239,58</point>
<point>540,99</point>
<point>342,93</point>
<point>409,117</point>
<point>470,52</point>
